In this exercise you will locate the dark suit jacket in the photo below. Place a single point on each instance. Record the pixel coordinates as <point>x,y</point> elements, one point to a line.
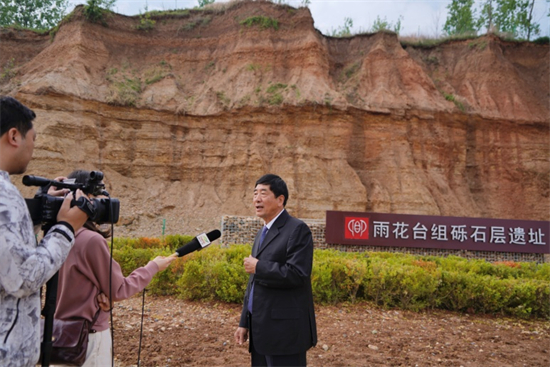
<point>284,319</point>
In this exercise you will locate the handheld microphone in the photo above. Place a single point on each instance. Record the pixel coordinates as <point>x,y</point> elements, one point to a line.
<point>199,242</point>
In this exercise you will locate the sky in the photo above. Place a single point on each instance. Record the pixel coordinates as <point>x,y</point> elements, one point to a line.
<point>418,17</point>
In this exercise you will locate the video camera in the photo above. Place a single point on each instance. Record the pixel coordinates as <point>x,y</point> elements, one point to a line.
<point>44,208</point>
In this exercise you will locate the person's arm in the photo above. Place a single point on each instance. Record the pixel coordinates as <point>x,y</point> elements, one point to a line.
<point>97,259</point>
<point>295,271</point>
<point>24,266</point>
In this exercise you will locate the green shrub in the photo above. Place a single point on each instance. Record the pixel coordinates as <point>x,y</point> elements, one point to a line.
<point>261,21</point>
<point>176,241</point>
<point>386,279</point>
<point>542,40</point>
<point>229,281</point>
<point>193,283</point>
<point>94,10</point>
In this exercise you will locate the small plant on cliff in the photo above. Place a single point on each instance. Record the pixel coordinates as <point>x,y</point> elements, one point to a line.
<point>223,98</point>
<point>384,25</point>
<point>200,21</point>
<point>125,92</point>
<point>451,98</point>
<point>95,9</point>
<point>8,71</point>
<point>351,70</point>
<point>145,21</point>
<point>274,90</point>
<point>343,31</point>
<point>261,21</point>
<point>157,73</point>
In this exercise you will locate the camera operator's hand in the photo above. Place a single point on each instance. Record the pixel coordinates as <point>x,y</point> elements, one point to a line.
<point>74,216</point>
<point>53,191</point>
<point>163,261</point>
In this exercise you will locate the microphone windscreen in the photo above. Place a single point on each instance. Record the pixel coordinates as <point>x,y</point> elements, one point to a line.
<point>214,235</point>
<point>194,245</point>
<point>199,242</point>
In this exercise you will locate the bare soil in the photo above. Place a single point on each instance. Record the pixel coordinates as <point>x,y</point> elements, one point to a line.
<point>185,333</point>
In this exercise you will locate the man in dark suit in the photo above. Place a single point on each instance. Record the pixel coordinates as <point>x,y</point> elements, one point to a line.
<point>278,310</point>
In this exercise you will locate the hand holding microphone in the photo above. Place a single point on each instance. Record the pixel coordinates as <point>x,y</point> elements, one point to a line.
<point>163,261</point>
<point>201,241</point>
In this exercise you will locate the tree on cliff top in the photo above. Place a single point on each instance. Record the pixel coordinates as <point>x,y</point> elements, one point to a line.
<point>461,18</point>
<point>94,9</point>
<point>203,3</point>
<point>34,14</point>
<point>513,17</point>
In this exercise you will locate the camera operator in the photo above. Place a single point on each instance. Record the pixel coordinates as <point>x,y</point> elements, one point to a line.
<point>25,265</point>
<point>84,281</point>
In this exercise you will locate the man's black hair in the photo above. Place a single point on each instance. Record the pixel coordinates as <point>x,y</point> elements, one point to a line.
<point>14,114</point>
<point>276,185</point>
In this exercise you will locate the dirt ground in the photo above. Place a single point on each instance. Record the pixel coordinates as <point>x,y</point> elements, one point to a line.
<point>184,333</point>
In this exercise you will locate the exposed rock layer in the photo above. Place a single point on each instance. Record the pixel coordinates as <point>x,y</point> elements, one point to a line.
<point>185,117</point>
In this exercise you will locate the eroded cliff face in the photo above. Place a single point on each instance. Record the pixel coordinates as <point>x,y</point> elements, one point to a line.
<point>185,117</point>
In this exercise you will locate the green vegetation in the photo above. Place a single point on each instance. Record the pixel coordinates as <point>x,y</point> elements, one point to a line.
<point>261,21</point>
<point>128,91</point>
<point>8,71</point>
<point>176,12</point>
<point>461,18</point>
<point>125,87</point>
<point>384,25</point>
<point>209,66</point>
<point>431,60</point>
<point>275,93</point>
<point>343,31</point>
<point>351,70</point>
<point>513,18</point>
<point>253,67</point>
<point>478,44</point>
<point>451,98</point>
<point>157,72</point>
<point>542,40</point>
<point>223,98</point>
<point>145,21</point>
<point>390,280</point>
<point>32,14</point>
<point>199,21</point>
<point>377,26</point>
<point>203,3</point>
<point>427,43</point>
<point>94,10</point>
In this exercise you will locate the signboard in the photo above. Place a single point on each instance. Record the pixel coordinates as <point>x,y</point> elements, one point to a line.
<point>424,231</point>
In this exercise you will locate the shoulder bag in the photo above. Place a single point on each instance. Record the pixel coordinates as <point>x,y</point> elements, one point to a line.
<point>70,340</point>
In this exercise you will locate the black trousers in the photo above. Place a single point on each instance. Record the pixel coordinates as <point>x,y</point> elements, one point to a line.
<point>260,360</point>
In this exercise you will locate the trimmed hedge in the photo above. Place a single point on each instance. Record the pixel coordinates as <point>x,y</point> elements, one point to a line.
<point>386,279</point>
